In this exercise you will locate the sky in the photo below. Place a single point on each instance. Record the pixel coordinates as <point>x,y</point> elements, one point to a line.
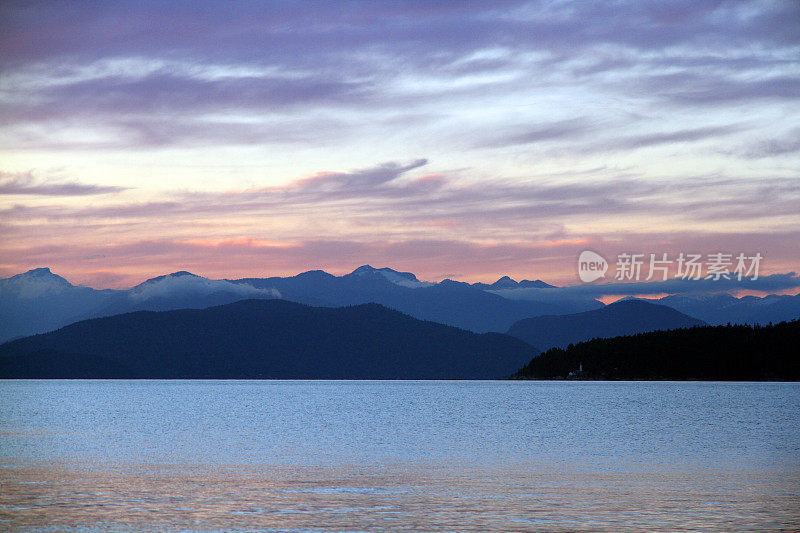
<point>464,140</point>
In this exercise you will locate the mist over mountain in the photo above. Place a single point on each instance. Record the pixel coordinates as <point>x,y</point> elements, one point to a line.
<point>263,339</point>
<point>724,308</point>
<point>183,290</point>
<point>39,300</point>
<point>448,302</point>
<point>625,317</point>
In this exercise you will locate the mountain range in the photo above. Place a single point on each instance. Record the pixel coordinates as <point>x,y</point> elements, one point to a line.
<point>722,308</point>
<point>39,300</point>
<point>264,339</point>
<point>371,323</point>
<point>624,317</point>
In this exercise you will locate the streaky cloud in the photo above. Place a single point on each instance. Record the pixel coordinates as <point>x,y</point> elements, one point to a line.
<point>15,183</point>
<point>777,146</point>
<point>372,192</point>
<point>687,135</point>
<point>357,181</point>
<point>570,128</point>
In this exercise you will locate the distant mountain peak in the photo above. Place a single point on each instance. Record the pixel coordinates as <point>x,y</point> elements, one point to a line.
<point>536,284</point>
<point>36,282</point>
<point>41,274</point>
<point>363,269</point>
<point>182,273</point>
<point>389,274</point>
<point>316,272</point>
<point>453,283</point>
<point>182,284</point>
<point>504,283</point>
<point>623,317</point>
<point>179,274</point>
<point>42,271</point>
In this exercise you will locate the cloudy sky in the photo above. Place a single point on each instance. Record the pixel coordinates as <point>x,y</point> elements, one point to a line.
<point>452,139</point>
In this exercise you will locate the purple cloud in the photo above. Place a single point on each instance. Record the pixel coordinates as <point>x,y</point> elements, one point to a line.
<point>129,65</point>
<point>385,189</point>
<point>571,128</point>
<point>778,146</point>
<point>26,184</point>
<point>533,85</point>
<point>358,181</point>
<point>654,139</point>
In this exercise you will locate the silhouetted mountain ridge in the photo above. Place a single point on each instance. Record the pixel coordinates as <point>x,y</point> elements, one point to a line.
<point>264,339</point>
<point>507,282</point>
<point>624,317</point>
<point>39,300</point>
<point>740,352</point>
<point>448,302</point>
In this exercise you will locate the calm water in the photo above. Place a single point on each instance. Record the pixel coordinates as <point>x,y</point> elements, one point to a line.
<point>399,456</point>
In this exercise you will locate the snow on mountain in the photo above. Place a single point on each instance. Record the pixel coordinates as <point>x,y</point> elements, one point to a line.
<point>404,279</point>
<point>399,279</point>
<point>185,283</point>
<point>506,283</point>
<point>536,284</point>
<point>34,283</point>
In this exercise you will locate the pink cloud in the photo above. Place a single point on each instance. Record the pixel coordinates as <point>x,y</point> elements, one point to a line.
<point>128,263</point>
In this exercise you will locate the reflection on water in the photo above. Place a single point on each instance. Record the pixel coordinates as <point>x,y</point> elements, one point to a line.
<point>399,456</point>
<point>421,497</point>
